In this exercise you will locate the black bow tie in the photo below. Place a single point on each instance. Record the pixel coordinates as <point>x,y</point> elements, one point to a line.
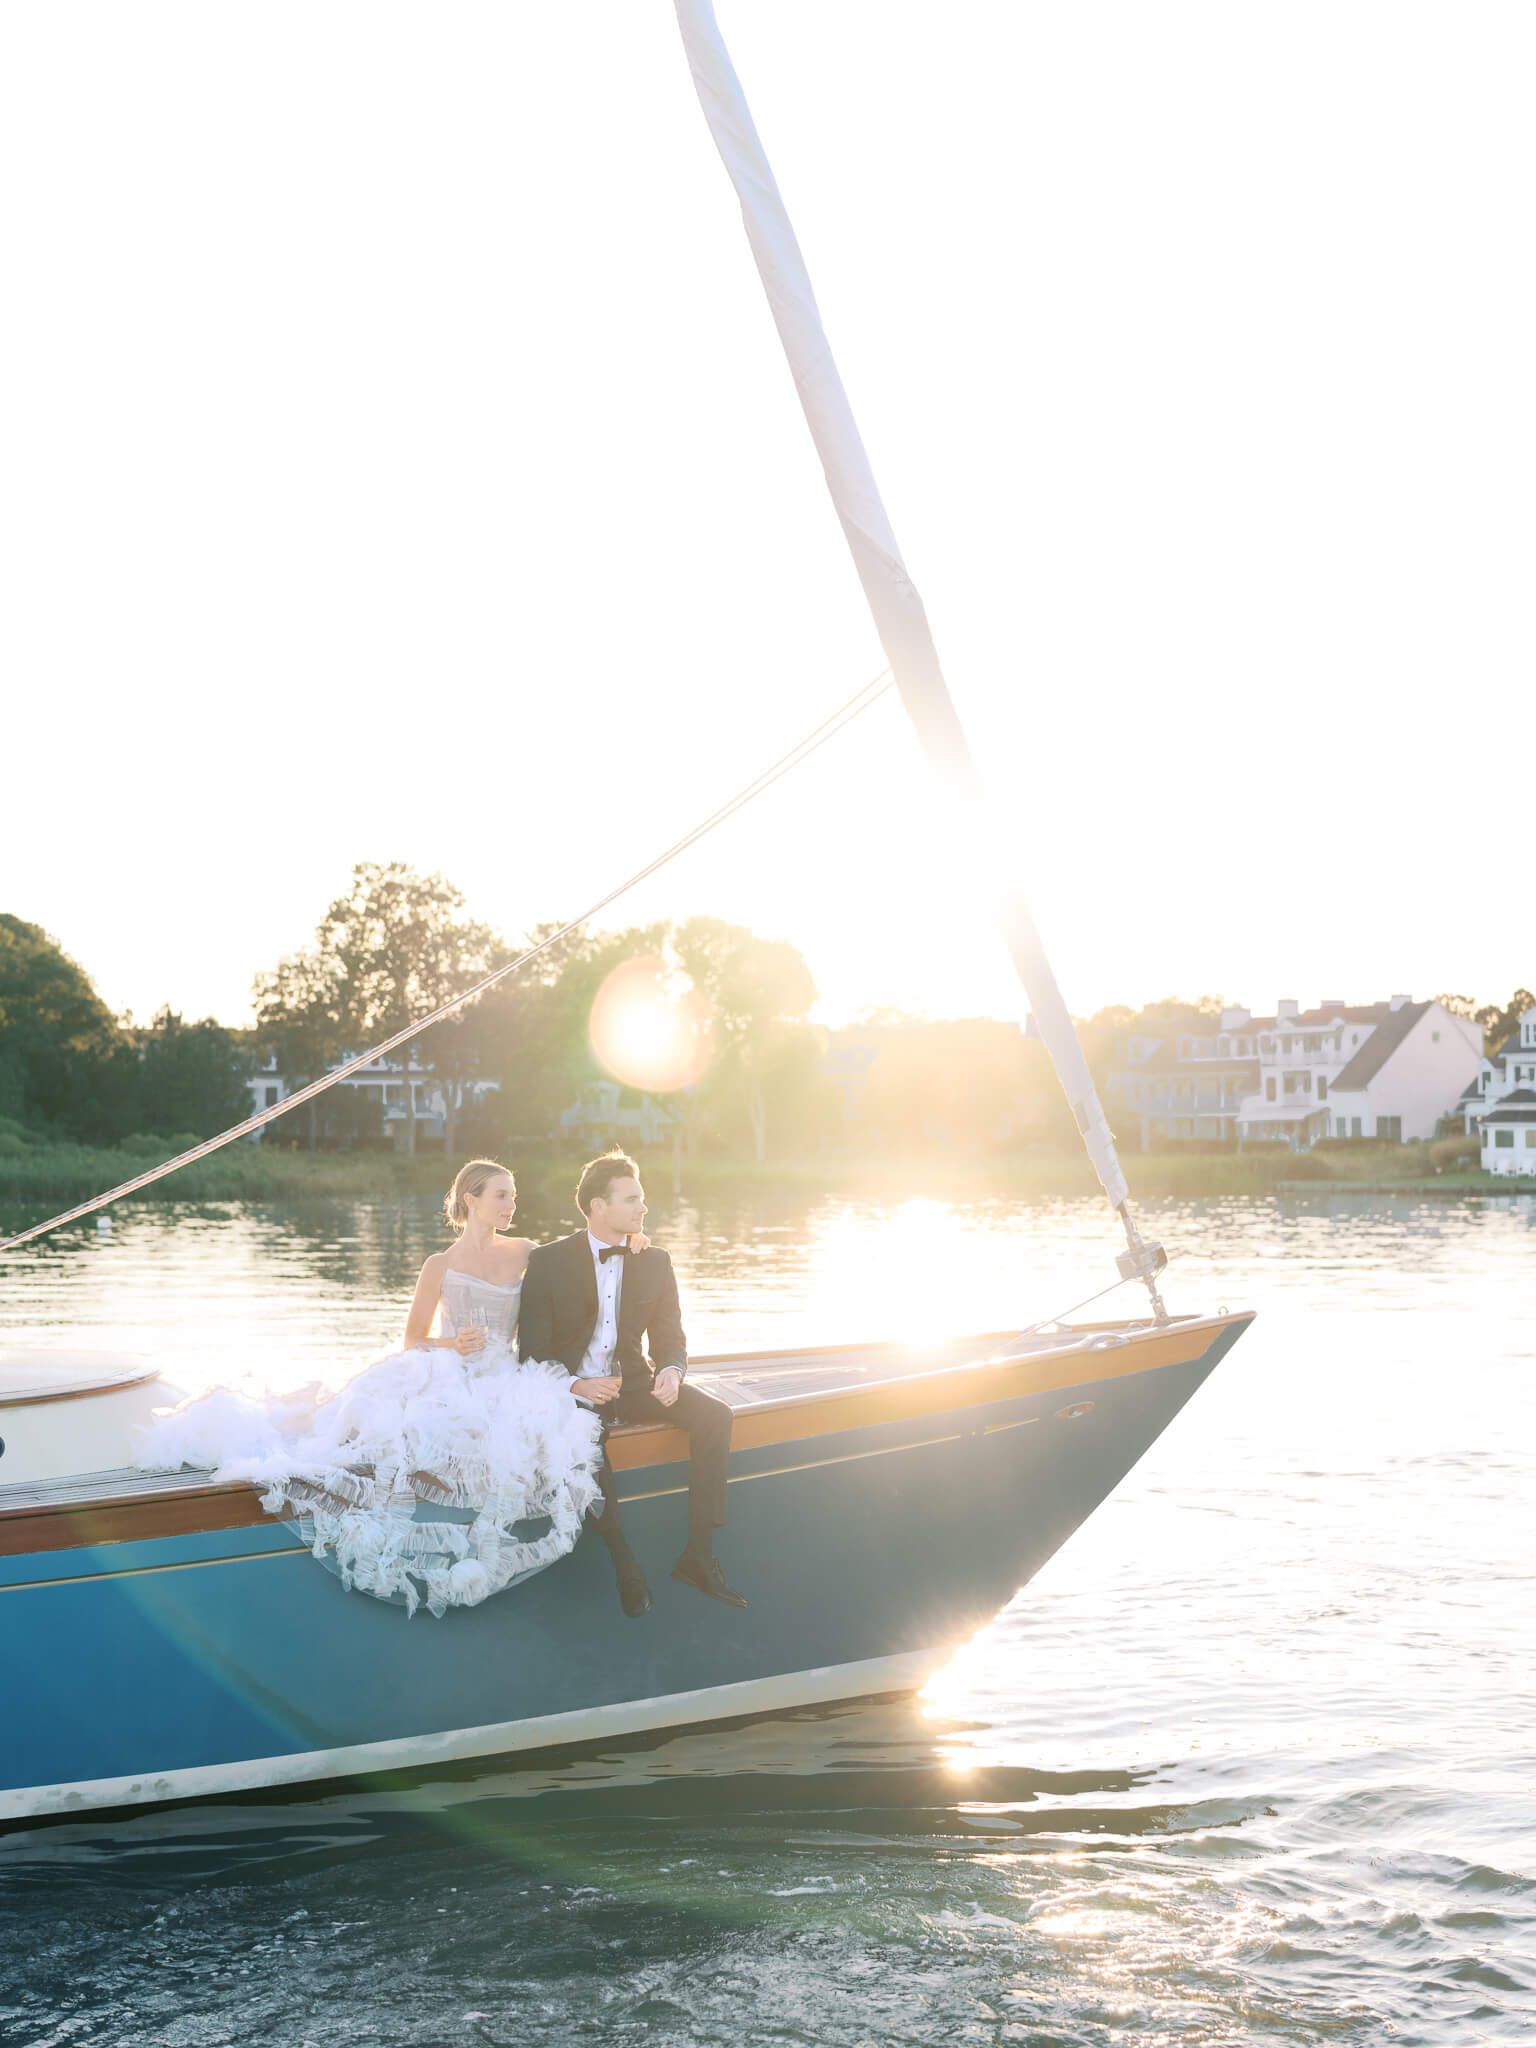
<point>611,1251</point>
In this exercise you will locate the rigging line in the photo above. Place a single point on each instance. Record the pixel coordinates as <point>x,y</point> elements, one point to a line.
<point>857,704</point>
<point>1045,1321</point>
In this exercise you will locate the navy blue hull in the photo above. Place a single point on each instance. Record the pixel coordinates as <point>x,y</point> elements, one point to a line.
<point>203,1654</point>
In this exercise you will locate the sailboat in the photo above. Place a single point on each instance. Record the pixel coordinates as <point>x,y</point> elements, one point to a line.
<point>167,1639</point>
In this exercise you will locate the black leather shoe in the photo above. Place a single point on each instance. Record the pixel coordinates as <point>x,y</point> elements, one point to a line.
<point>708,1578</point>
<point>634,1593</point>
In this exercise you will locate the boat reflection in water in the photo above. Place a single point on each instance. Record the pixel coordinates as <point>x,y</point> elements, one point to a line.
<point>855,1775</point>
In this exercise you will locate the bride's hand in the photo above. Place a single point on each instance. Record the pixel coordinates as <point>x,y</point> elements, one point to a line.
<point>467,1342</point>
<point>638,1241</point>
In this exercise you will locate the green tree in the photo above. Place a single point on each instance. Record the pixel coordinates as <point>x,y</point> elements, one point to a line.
<point>190,1077</point>
<point>769,1058</point>
<point>531,1030</point>
<point>1501,1022</point>
<point>57,1037</point>
<point>394,948</point>
<point>973,1082</point>
<point>298,1020</point>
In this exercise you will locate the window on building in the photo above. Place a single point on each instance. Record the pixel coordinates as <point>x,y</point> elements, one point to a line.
<point>1504,1140</point>
<point>1269,1087</point>
<point>1341,1127</point>
<point>1322,1087</point>
<point>1224,1047</point>
<point>1390,1128</point>
<point>271,1096</point>
<point>1354,1127</point>
<point>1530,1137</point>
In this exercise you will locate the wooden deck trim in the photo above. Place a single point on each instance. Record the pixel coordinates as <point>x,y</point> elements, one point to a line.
<point>73,1521</point>
<point>1001,1338</point>
<point>917,1394</point>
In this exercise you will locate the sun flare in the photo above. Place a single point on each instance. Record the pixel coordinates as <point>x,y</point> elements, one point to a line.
<point>650,1028</point>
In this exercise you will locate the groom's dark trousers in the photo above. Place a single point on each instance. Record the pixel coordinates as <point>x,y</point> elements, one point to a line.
<point>555,1321</point>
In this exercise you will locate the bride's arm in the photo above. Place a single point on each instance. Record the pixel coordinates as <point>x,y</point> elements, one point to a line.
<point>429,1289</point>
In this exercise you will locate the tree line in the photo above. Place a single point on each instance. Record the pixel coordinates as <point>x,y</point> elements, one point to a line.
<point>71,1070</point>
<point>397,944</point>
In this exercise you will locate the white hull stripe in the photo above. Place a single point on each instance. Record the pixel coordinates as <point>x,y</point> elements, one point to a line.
<point>829,1682</point>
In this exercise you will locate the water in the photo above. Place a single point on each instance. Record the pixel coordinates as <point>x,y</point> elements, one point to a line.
<point>1253,1759</point>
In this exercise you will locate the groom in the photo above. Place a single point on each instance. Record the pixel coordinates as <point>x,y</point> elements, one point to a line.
<point>589,1302</point>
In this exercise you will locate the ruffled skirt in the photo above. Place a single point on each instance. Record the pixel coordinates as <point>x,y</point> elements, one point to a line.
<point>419,1481</point>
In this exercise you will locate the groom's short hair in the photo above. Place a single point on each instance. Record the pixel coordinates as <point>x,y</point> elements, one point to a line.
<point>599,1175</point>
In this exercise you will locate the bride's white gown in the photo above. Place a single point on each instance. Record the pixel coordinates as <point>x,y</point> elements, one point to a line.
<point>411,1480</point>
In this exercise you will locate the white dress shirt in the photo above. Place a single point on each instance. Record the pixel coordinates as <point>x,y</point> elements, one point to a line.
<point>597,1364</point>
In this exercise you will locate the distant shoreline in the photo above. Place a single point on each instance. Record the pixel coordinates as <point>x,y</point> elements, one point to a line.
<point>70,1173</point>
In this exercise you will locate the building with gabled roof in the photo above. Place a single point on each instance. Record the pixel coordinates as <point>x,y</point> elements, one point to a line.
<point>1406,1074</point>
<point>1341,1070</point>
<point>1512,1066</point>
<point>1508,1134</point>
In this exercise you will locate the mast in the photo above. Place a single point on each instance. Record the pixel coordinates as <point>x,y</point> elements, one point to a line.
<point>899,617</point>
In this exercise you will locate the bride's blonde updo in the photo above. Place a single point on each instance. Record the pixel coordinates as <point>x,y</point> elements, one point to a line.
<point>473,1178</point>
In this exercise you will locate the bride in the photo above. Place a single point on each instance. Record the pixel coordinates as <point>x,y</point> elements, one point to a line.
<point>428,1475</point>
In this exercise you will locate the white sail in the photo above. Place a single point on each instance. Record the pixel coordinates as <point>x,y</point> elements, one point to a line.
<point>898,610</point>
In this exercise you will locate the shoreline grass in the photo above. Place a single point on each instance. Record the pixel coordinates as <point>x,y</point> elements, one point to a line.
<point>53,1173</point>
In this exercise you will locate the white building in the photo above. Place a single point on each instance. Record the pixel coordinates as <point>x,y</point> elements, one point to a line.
<point>1190,1083</point>
<point>1499,1074</point>
<point>596,1118</point>
<point>388,1086</point>
<point>1403,1073</point>
<point>1508,1134</point>
<point>1376,1070</point>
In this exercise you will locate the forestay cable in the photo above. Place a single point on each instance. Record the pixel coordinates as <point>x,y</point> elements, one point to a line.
<point>857,704</point>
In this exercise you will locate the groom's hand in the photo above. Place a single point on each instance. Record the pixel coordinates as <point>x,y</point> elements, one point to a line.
<point>598,1392</point>
<point>666,1384</point>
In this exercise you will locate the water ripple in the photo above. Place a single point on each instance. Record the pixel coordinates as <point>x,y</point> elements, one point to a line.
<point>1252,1762</point>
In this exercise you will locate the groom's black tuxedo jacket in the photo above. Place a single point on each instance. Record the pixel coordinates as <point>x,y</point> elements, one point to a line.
<point>558,1310</point>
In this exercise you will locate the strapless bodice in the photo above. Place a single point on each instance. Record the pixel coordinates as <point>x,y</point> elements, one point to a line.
<point>470,1301</point>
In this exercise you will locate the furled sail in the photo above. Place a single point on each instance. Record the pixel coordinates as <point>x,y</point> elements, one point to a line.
<point>898,610</point>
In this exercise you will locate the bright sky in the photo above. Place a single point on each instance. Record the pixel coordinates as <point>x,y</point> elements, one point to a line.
<point>399,463</point>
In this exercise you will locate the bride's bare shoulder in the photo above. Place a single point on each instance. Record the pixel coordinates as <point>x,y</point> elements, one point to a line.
<point>434,1265</point>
